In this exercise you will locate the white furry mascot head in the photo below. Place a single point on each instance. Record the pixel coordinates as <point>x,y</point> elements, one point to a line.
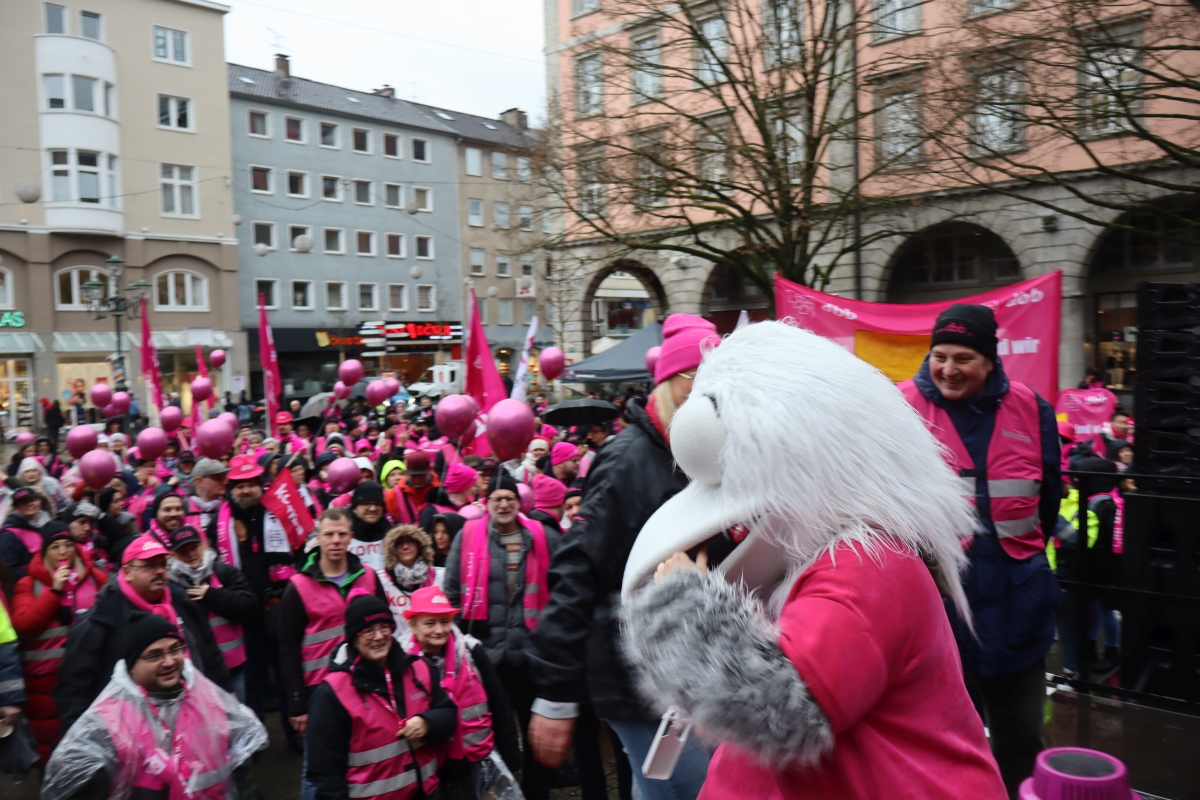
<point>809,446</point>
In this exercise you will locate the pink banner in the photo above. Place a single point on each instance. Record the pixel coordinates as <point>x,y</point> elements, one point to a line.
<point>895,337</point>
<point>272,382</point>
<point>149,356</point>
<point>202,368</point>
<point>1087,410</point>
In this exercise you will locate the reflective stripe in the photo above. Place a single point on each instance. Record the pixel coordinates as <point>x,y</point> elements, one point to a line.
<point>42,655</point>
<point>477,710</point>
<point>968,485</point>
<point>50,633</point>
<point>315,664</point>
<point>1015,527</point>
<point>477,737</point>
<point>532,613</point>
<point>216,621</point>
<point>206,780</point>
<point>1014,487</point>
<point>531,588</point>
<point>378,754</point>
<point>335,632</point>
<point>15,685</point>
<point>376,788</point>
<point>232,644</point>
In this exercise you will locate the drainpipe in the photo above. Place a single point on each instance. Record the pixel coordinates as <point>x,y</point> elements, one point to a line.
<point>857,220</point>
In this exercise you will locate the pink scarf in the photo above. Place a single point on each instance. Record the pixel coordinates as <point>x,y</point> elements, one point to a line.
<point>475,568</point>
<point>163,608</point>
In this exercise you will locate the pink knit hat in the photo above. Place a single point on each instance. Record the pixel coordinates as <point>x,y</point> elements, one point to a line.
<point>685,339</point>
<point>460,478</point>
<point>563,451</point>
<point>548,492</point>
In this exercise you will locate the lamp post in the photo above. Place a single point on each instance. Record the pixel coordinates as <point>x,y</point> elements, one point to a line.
<point>120,304</point>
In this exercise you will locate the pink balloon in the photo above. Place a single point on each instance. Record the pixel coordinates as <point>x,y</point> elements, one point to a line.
<point>97,468</point>
<point>152,442</point>
<point>202,389</point>
<point>214,438</point>
<point>341,391</point>
<point>217,358</point>
<point>510,428</point>
<point>109,411</point>
<point>25,438</point>
<point>343,475</point>
<point>551,361</point>
<point>351,371</point>
<point>652,359</point>
<point>229,418</point>
<point>393,386</point>
<point>470,512</point>
<point>121,402</point>
<point>377,392</point>
<point>171,418</point>
<point>101,395</point>
<point>525,492</point>
<point>80,440</point>
<point>454,415</point>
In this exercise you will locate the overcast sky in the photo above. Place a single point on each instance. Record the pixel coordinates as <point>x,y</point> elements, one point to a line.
<point>477,56</point>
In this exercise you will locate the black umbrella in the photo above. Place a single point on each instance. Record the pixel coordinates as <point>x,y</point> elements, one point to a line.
<point>580,412</point>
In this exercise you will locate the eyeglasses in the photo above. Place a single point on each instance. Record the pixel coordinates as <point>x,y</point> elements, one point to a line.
<point>174,652</point>
<point>503,500</point>
<point>380,631</point>
<point>149,567</point>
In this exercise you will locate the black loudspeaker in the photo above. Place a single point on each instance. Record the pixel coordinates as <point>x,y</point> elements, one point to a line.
<point>1166,402</point>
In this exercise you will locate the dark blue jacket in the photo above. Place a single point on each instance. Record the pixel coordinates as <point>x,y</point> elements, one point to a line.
<point>1012,601</point>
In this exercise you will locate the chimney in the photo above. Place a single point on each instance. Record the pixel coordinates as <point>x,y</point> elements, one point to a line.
<point>516,118</point>
<point>283,66</point>
<point>385,91</point>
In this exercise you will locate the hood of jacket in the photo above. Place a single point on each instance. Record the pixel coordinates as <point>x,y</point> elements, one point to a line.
<point>423,540</point>
<point>15,520</point>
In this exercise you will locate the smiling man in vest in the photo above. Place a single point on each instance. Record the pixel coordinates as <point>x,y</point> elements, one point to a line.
<point>1002,439</point>
<point>160,729</point>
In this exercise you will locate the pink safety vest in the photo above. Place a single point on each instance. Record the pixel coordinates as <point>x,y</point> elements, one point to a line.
<point>473,739</point>
<point>1014,468</point>
<point>43,654</point>
<point>31,539</point>
<point>475,570</point>
<point>195,753</point>
<point>228,634</point>
<point>381,765</point>
<point>325,606</point>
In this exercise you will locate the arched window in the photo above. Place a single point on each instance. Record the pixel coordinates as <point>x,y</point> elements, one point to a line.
<point>180,290</point>
<point>68,287</point>
<point>949,261</point>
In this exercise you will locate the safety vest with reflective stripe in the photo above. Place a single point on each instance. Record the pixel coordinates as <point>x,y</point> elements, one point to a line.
<point>228,634</point>
<point>325,606</point>
<point>43,654</point>
<point>193,763</point>
<point>1013,472</point>
<point>473,739</point>
<point>379,764</point>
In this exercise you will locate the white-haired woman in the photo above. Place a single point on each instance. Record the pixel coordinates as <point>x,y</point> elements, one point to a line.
<point>33,474</point>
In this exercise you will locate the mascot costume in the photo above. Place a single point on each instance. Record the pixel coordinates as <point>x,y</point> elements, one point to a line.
<point>814,646</point>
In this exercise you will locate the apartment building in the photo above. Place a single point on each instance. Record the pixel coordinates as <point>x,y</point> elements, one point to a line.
<point>115,167</point>
<point>348,205</point>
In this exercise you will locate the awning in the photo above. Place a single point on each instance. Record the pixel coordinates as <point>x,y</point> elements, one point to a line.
<point>625,363</point>
<point>106,342</point>
<point>14,343</point>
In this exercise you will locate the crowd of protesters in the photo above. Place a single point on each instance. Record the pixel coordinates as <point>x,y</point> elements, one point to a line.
<point>450,627</point>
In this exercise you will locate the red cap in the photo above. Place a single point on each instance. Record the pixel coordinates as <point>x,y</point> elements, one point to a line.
<point>283,418</point>
<point>143,547</point>
<point>430,600</point>
<point>243,468</point>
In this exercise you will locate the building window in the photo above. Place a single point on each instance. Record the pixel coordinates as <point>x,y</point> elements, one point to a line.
<point>1110,88</point>
<point>426,297</point>
<point>524,171</point>
<point>264,234</point>
<point>335,296</point>
<point>89,176</point>
<point>110,104</point>
<point>953,254</point>
<point>334,241</point>
<point>266,293</point>
<point>331,188</point>
<point>170,45</point>
<point>477,260</point>
<point>503,265</point>
<point>527,261</point>
<point>593,193</point>
<point>424,247</point>
<point>584,7</point>
<point>713,152</point>
<point>475,213</point>
<point>297,183</point>
<point>368,297</point>
<point>995,119</point>
<point>547,222</point>
<point>647,67</point>
<point>528,309</point>
<point>56,91</point>
<point>391,145</point>
<point>362,140</point>
<point>329,135</point>
<point>84,90</point>
<point>258,124</point>
<point>420,150</point>
<point>56,18</point>
<point>423,198</point>
<point>710,60</point>
<point>260,180</point>
<point>896,18</point>
<point>89,25</point>
<point>293,129</point>
<point>525,217</point>
<point>85,185</point>
<point>302,295</point>
<point>362,193</point>
<point>504,312</point>
<point>395,245</point>
<point>589,85</point>
<point>68,283</point>
<point>179,290</point>
<point>898,116</point>
<point>6,282</point>
<point>474,157</point>
<point>500,215</point>
<point>294,234</point>
<point>174,112</point>
<point>500,166</point>
<point>481,309</point>
<point>393,195</point>
<point>364,243</point>
<point>178,186</point>
<point>397,297</point>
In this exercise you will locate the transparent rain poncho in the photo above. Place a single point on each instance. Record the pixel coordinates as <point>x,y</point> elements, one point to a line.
<point>122,736</point>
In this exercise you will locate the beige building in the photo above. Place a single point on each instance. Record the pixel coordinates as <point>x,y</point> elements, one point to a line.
<point>115,138</point>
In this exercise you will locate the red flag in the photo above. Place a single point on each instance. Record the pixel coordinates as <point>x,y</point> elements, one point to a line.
<point>197,418</point>
<point>483,379</point>
<point>283,499</point>
<point>272,381</point>
<point>203,368</point>
<point>149,357</point>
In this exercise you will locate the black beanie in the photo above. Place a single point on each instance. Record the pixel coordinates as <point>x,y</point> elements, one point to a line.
<point>969,325</point>
<point>364,610</point>
<point>54,530</point>
<point>367,492</point>
<point>144,630</point>
<point>502,480</point>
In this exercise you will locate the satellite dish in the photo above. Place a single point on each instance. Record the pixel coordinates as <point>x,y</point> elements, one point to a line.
<point>416,273</point>
<point>412,206</point>
<point>237,219</point>
<point>492,291</point>
<point>525,281</point>
<point>302,243</point>
<point>260,249</point>
<point>28,190</point>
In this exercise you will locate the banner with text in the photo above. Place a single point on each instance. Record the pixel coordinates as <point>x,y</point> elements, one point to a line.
<point>895,337</point>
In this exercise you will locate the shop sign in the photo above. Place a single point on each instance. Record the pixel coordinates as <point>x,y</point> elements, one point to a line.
<point>407,332</point>
<point>12,319</point>
<point>325,340</point>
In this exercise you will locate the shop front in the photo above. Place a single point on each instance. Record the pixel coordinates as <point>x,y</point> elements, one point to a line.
<point>409,349</point>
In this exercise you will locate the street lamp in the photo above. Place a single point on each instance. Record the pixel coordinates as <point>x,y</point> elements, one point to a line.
<point>120,304</point>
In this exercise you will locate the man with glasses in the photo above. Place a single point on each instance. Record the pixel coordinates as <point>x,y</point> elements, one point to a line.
<point>96,642</point>
<point>160,729</point>
<point>208,494</point>
<point>496,573</point>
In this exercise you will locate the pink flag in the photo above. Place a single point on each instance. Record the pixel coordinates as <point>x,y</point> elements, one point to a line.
<point>149,356</point>
<point>197,418</point>
<point>283,499</point>
<point>483,379</point>
<point>272,381</point>
<point>203,369</point>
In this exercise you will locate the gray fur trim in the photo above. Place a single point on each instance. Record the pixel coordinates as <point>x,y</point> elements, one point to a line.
<point>705,646</point>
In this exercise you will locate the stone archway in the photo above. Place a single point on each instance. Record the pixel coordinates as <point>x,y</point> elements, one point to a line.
<point>948,261</point>
<point>612,322</point>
